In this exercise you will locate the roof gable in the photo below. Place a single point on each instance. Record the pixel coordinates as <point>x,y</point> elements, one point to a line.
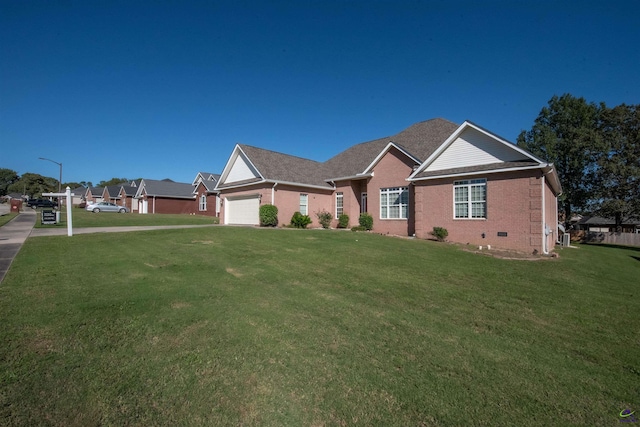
<point>249,165</point>
<point>417,141</point>
<point>384,152</point>
<point>239,168</point>
<point>471,146</point>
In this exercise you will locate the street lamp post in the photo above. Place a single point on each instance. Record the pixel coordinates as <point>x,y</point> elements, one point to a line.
<point>59,164</point>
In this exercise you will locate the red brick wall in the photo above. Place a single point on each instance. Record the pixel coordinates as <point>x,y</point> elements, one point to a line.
<point>391,171</point>
<point>287,199</point>
<point>211,202</point>
<point>161,205</point>
<point>351,200</point>
<point>514,206</point>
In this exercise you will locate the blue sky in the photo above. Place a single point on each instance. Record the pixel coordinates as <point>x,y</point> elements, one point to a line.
<point>164,89</point>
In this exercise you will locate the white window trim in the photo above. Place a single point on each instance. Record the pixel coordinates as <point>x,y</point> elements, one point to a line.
<point>306,204</point>
<point>469,183</point>
<point>202,203</point>
<point>395,190</point>
<point>339,196</point>
<point>364,203</point>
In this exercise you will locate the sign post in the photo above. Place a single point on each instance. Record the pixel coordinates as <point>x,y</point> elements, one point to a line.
<point>68,195</point>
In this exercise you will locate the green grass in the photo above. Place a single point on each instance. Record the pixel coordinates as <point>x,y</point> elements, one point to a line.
<point>240,326</point>
<point>82,218</point>
<point>6,218</point>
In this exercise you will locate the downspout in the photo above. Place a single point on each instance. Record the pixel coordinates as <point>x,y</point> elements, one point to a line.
<point>273,194</point>
<point>154,204</point>
<point>545,249</point>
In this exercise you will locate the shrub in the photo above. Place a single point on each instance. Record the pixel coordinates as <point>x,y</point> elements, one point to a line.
<point>268,216</point>
<point>343,221</point>
<point>300,221</point>
<point>358,228</point>
<point>366,221</point>
<point>440,233</point>
<point>324,218</point>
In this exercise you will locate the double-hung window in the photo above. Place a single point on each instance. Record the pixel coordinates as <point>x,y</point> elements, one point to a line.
<point>394,203</point>
<point>304,204</point>
<point>203,203</point>
<point>470,198</point>
<point>339,204</point>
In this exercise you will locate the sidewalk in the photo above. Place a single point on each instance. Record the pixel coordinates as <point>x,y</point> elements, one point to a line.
<point>12,236</point>
<point>14,233</point>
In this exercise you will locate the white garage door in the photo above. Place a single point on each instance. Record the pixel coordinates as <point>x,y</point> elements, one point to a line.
<point>243,210</point>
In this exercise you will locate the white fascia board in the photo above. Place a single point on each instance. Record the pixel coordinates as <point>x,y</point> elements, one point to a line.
<point>385,151</point>
<point>232,187</point>
<point>227,166</point>
<point>555,184</point>
<point>504,142</point>
<point>195,180</point>
<point>467,124</point>
<point>230,162</point>
<point>298,184</point>
<point>348,178</point>
<point>484,172</point>
<point>140,189</point>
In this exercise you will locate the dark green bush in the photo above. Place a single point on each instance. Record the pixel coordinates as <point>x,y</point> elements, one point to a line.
<point>358,228</point>
<point>268,216</point>
<point>440,233</point>
<point>300,221</point>
<point>324,218</point>
<point>366,221</point>
<point>343,221</point>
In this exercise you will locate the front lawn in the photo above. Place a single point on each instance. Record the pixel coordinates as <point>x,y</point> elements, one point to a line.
<point>242,326</point>
<point>6,218</point>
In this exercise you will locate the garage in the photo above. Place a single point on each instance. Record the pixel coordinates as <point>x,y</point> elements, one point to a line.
<point>242,210</point>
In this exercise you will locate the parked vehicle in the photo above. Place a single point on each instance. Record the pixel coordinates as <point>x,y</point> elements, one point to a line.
<point>41,203</point>
<point>106,207</point>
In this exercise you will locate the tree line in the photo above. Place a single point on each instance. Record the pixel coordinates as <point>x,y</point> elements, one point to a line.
<point>33,185</point>
<point>596,151</point>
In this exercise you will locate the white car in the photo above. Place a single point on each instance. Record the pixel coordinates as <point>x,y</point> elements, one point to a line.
<point>106,207</point>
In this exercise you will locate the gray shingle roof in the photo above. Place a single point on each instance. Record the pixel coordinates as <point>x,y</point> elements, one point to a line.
<point>168,189</point>
<point>281,167</point>
<point>129,190</point>
<point>420,140</point>
<point>113,190</point>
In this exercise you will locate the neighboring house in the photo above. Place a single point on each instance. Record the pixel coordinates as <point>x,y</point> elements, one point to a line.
<point>204,185</point>
<point>93,194</point>
<point>483,189</point>
<point>166,197</point>
<point>126,195</point>
<point>78,195</point>
<point>607,225</point>
<point>111,193</point>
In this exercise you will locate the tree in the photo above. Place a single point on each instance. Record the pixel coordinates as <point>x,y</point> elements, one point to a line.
<point>565,134</point>
<point>33,185</point>
<point>617,174</point>
<point>7,177</point>
<point>113,181</point>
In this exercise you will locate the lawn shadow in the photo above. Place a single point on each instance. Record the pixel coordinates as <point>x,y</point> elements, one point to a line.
<point>637,258</point>
<point>611,245</point>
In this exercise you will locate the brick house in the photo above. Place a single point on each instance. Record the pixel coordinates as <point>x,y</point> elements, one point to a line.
<point>206,194</point>
<point>93,194</point>
<point>483,189</point>
<point>165,197</point>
